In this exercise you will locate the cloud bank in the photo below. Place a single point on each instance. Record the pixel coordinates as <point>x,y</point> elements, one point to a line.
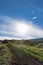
<point>8,29</point>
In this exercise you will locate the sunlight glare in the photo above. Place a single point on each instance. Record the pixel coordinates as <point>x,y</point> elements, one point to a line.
<point>22,28</point>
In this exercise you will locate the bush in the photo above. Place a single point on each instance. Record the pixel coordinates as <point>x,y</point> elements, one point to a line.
<point>5,41</point>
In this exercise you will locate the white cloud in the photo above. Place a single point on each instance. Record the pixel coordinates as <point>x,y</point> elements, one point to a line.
<point>6,37</point>
<point>35,17</point>
<point>10,29</point>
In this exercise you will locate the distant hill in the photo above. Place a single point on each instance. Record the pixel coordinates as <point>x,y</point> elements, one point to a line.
<point>38,39</point>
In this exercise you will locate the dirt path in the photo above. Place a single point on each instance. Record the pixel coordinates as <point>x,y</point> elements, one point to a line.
<point>20,58</point>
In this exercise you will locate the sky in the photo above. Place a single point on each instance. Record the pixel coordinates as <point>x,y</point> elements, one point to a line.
<point>21,19</point>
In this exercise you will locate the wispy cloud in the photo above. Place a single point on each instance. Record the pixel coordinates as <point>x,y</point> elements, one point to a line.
<point>35,17</point>
<point>33,12</point>
<point>10,29</point>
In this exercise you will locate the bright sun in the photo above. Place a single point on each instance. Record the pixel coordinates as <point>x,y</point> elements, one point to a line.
<point>22,28</point>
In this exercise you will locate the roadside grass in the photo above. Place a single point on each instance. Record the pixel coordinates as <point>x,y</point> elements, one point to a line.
<point>19,49</point>
<point>1,54</point>
<point>30,50</point>
<point>6,56</point>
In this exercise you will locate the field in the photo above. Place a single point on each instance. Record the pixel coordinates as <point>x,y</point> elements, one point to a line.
<point>20,53</point>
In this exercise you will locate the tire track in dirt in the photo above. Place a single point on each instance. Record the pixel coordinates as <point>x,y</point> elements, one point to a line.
<point>23,59</point>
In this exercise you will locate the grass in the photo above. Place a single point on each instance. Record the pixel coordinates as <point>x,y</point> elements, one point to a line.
<point>18,49</point>
<point>5,56</point>
<point>31,50</point>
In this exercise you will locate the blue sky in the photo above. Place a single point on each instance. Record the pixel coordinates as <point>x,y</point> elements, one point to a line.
<point>27,13</point>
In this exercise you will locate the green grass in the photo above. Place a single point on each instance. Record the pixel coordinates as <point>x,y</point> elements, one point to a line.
<point>31,50</point>
<point>18,50</point>
<point>6,54</point>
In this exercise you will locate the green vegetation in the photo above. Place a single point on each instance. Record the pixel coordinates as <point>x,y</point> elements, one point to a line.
<point>5,54</point>
<point>31,50</point>
<point>17,49</point>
